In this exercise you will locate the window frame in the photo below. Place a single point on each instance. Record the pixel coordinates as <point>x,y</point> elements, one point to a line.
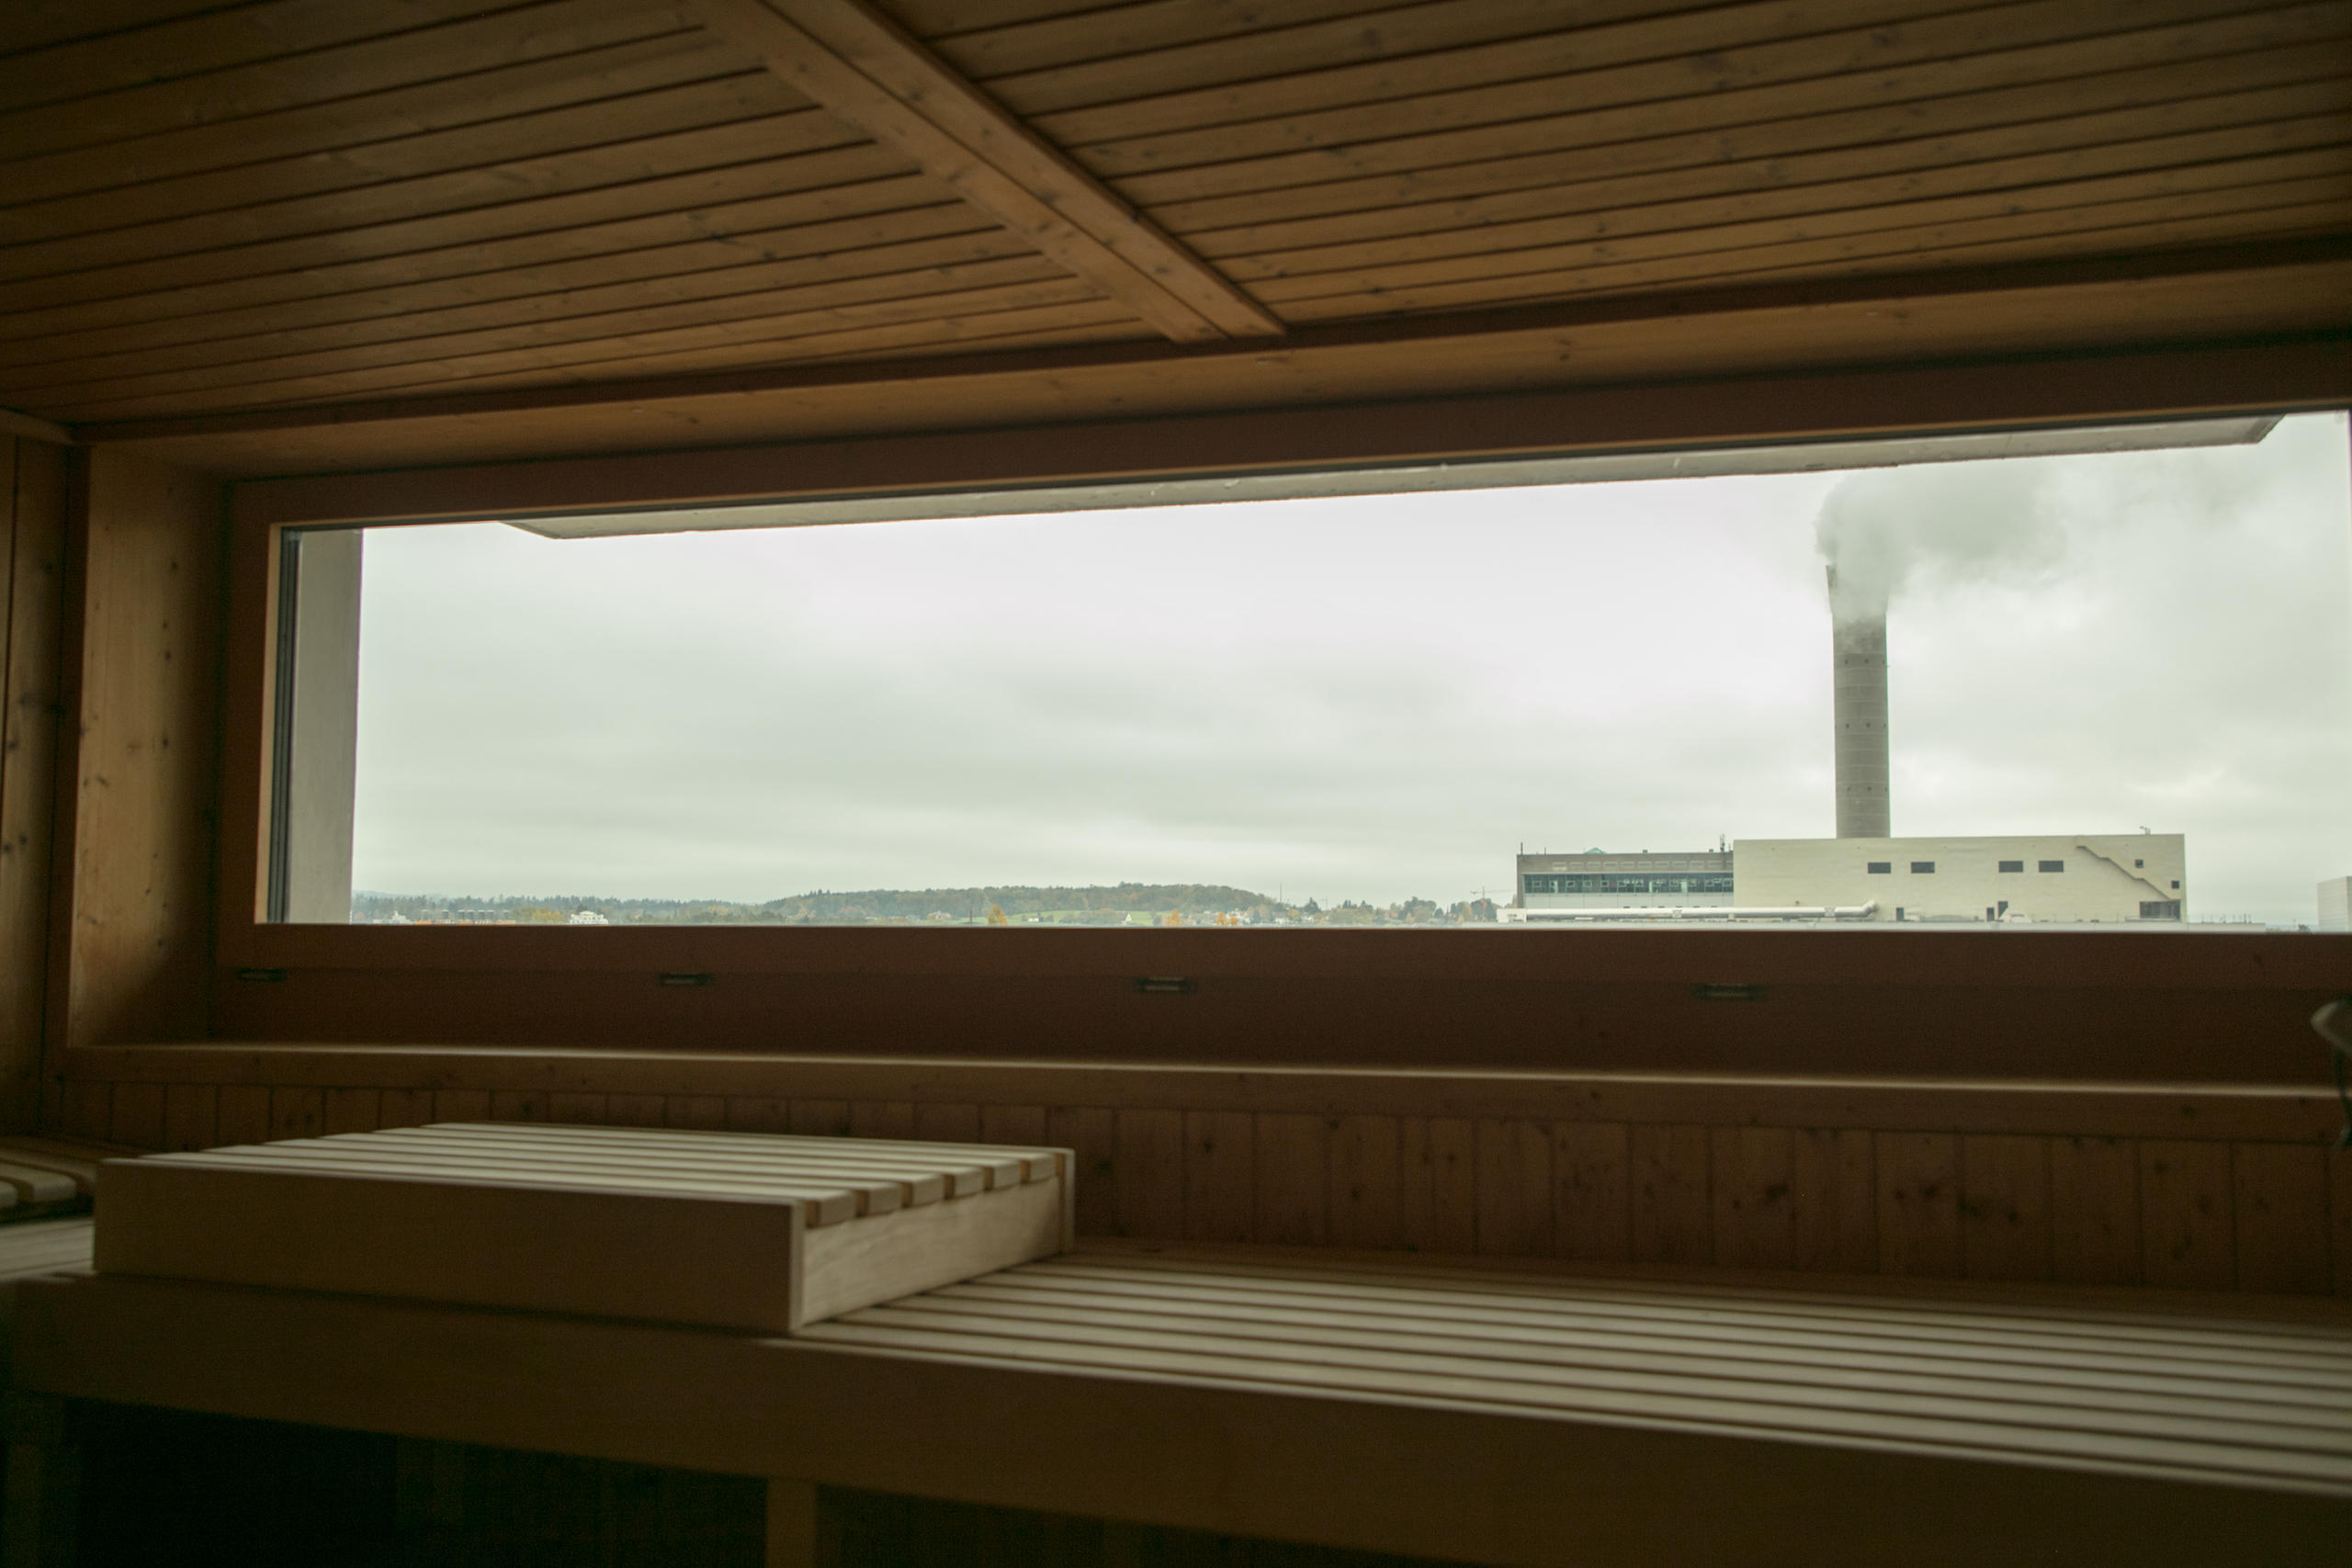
<point>1874,1002</point>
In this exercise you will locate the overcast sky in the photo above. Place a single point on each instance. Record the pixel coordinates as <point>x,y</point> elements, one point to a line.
<point>1368,698</point>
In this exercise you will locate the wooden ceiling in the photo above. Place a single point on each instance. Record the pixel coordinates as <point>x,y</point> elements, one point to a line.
<point>488,228</point>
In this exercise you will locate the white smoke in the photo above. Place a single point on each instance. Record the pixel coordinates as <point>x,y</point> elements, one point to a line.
<point>1884,528</point>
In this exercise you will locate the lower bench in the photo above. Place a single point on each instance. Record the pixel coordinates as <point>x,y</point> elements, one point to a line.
<point>1479,1414</point>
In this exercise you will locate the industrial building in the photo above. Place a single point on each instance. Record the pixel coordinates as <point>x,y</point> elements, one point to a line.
<point>2068,878</point>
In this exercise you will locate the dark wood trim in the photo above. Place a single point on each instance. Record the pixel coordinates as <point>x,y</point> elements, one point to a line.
<point>2270,1113</point>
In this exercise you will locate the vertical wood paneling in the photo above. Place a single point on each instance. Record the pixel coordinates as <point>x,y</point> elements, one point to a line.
<point>353,1110</point>
<point>243,1115</point>
<point>1751,1173</point>
<point>191,1111</point>
<point>1670,1221</point>
<point>1514,1188</point>
<point>758,1113</point>
<point>1438,1160</point>
<point>138,1115</point>
<point>881,1117</point>
<point>2280,1217</point>
<point>1094,1132</point>
<point>636,1111</point>
<point>33,538</point>
<point>1294,1175</point>
<point>137,833</point>
<point>576,1110</point>
<point>1592,1205</point>
<point>295,1113</point>
<point>2185,1201</point>
<point>1220,1176</point>
<point>1918,1203</point>
<point>405,1108</point>
<point>460,1105</point>
<point>2095,1210</point>
<point>706,1112</point>
<point>1366,1189</point>
<point>519,1105</point>
<point>947,1124</point>
<point>821,1118</point>
<point>2005,1232</point>
<point>1149,1179</point>
<point>1014,1124</point>
<point>1836,1194</point>
<point>87,1110</point>
<point>2340,1217</point>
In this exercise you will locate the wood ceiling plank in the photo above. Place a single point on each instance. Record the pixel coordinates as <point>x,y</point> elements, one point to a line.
<point>1531,79</point>
<point>284,365</point>
<point>831,182</point>
<point>2035,69</point>
<point>43,24</point>
<point>1850,182</point>
<point>214,40</point>
<point>734,141</point>
<point>1616,371</point>
<point>368,310</point>
<point>2018,108</point>
<point>726,274</point>
<point>1147,50</point>
<point>519,156</point>
<point>419,110</point>
<point>1062,310</point>
<point>376,136</point>
<point>2231,214</point>
<point>452,48</point>
<point>865,71</point>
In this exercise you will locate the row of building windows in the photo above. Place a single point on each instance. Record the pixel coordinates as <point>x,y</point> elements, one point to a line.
<point>1925,867</point>
<point>1586,882</point>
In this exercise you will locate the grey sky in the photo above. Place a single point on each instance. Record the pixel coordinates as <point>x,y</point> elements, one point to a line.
<point>1367,698</point>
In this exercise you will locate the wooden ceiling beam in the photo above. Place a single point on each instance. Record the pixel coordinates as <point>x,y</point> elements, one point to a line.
<point>867,71</point>
<point>33,425</point>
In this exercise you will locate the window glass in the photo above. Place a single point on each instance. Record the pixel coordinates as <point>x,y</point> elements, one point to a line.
<point>1439,706</point>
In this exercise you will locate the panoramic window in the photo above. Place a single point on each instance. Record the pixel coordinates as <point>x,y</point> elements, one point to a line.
<point>1553,693</point>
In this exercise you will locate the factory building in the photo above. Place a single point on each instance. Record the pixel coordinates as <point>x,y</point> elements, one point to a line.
<point>2065,879</point>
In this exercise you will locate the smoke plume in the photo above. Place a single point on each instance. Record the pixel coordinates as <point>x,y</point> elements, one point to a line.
<point>1884,528</point>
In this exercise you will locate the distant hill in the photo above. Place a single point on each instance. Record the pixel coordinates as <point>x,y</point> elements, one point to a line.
<point>1191,899</point>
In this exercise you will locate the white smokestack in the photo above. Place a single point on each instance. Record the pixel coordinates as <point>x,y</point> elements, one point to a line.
<point>1858,655</point>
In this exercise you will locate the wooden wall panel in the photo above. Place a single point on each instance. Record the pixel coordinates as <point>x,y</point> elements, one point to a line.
<point>1918,1203</point>
<point>2184,1213</point>
<point>136,822</point>
<point>32,567</point>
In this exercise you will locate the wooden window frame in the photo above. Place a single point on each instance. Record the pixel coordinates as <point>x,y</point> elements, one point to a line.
<point>2174,1006</point>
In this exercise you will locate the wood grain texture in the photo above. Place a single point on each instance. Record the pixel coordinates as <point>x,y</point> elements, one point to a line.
<point>1751,1179</point>
<point>191,1113</point>
<point>2185,1208</point>
<point>1291,1161</point>
<point>1918,1203</point>
<point>32,608</point>
<point>1514,1188</point>
<point>1672,1222</point>
<point>1147,1183</point>
<point>2095,1210</point>
<point>1220,1176</point>
<point>2004,1201</point>
<point>1367,1185</point>
<point>865,70</point>
<point>295,1113</point>
<point>1592,1211</point>
<point>2280,1217</point>
<point>1439,1211</point>
<point>1093,1133</point>
<point>1835,1188</point>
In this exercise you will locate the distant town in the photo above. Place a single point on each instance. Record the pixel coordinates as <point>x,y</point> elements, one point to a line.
<point>1127,904</point>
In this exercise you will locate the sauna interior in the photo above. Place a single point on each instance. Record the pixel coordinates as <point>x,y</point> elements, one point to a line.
<point>1549,1250</point>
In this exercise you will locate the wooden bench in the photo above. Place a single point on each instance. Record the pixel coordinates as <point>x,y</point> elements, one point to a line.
<point>1523,1417</point>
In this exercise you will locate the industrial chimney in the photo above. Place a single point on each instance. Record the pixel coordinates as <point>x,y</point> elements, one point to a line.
<point>1858,644</point>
